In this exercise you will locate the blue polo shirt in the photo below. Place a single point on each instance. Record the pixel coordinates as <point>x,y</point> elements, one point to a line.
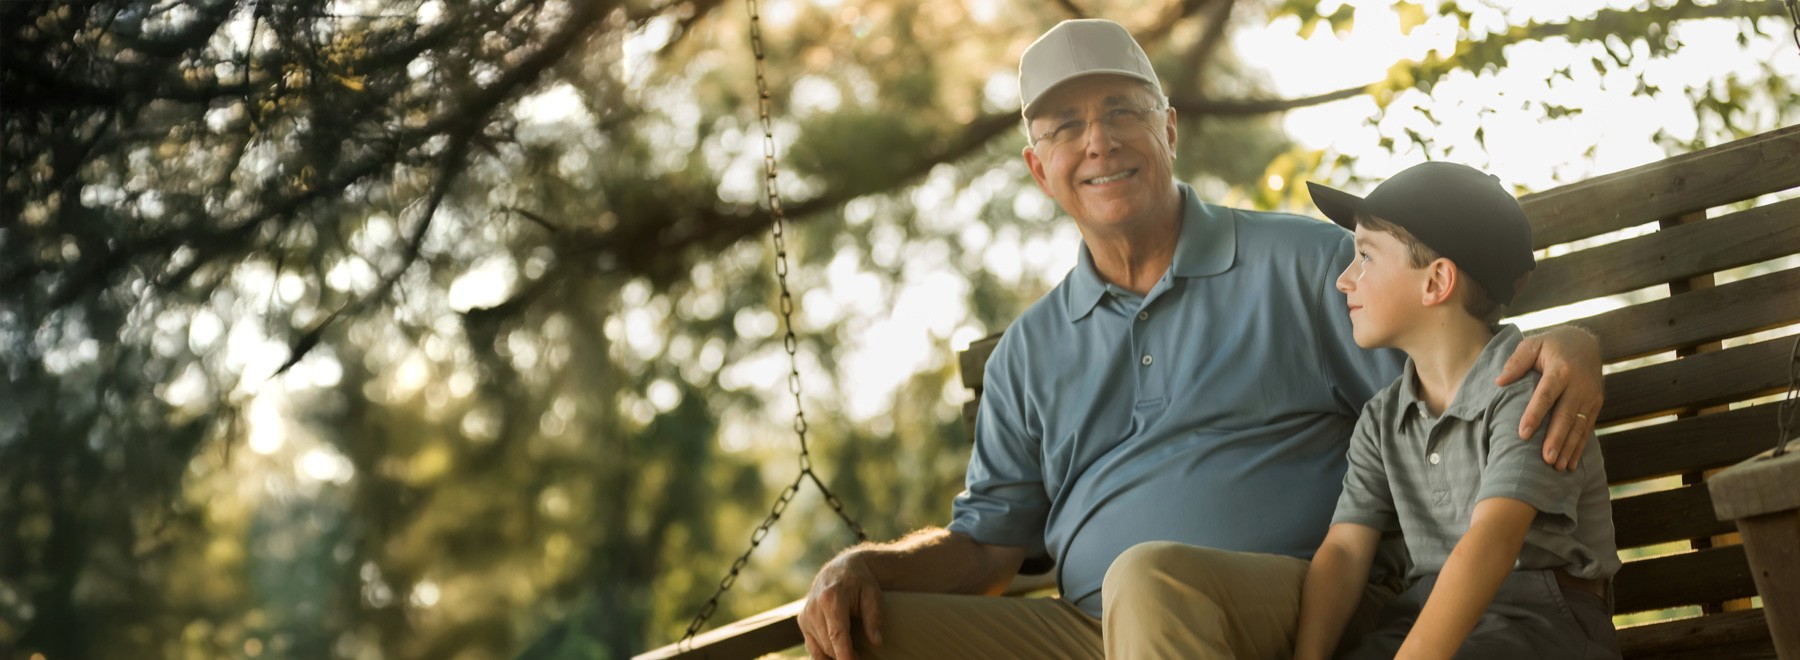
<point>1214,411</point>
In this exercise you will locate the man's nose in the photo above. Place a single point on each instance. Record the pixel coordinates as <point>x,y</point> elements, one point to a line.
<point>1099,138</point>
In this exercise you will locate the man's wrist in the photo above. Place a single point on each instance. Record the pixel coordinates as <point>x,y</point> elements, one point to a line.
<point>866,559</point>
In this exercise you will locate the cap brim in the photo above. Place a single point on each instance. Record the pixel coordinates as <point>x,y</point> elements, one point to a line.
<point>1032,107</point>
<point>1338,205</point>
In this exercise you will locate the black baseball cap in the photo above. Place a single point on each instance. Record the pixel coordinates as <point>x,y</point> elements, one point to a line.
<point>1461,212</point>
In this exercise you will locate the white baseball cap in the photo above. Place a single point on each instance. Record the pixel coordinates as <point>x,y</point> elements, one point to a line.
<point>1075,49</point>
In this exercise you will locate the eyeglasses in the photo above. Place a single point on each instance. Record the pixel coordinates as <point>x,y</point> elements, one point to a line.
<point>1120,119</point>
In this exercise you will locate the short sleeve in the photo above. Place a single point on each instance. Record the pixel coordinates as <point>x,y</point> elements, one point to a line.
<point>1354,374</point>
<point>1003,501</point>
<point>1367,500</point>
<point>1516,469</point>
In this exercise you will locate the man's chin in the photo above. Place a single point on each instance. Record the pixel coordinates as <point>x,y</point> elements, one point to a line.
<point>1111,208</point>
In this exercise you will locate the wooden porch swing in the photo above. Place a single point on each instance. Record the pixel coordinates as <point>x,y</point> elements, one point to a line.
<point>1696,221</point>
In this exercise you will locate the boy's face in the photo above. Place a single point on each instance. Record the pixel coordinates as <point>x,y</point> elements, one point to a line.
<point>1384,290</point>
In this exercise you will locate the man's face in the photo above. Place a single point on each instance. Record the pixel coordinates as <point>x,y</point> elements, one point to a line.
<point>1118,170</point>
<point>1384,290</point>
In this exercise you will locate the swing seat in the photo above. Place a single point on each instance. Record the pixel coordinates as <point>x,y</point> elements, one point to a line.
<point>1701,403</point>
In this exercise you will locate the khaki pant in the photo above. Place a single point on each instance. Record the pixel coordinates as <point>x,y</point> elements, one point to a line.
<point>1162,600</point>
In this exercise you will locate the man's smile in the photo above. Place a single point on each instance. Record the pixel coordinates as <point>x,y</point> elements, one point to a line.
<point>1116,176</point>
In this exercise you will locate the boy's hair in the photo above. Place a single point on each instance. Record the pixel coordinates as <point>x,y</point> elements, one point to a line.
<point>1476,300</point>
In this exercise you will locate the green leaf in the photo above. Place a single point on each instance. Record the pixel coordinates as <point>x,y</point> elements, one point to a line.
<point>1412,15</point>
<point>1343,20</point>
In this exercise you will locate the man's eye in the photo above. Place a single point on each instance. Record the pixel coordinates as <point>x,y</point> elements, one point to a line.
<point>1069,130</point>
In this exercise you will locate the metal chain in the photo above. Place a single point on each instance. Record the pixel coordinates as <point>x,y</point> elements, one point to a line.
<point>1793,8</point>
<point>788,341</point>
<point>1787,415</point>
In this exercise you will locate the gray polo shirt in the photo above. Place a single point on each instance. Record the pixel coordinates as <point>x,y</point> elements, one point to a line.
<point>1423,475</point>
<point>1213,411</point>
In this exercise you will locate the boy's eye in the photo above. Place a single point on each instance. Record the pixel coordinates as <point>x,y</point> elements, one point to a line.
<point>1363,256</point>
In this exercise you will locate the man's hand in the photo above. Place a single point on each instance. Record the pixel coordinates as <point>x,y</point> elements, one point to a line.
<point>845,588</point>
<point>1570,390</point>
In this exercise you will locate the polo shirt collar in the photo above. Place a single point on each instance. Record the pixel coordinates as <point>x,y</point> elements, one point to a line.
<point>1477,388</point>
<point>1206,246</point>
<point>1208,243</point>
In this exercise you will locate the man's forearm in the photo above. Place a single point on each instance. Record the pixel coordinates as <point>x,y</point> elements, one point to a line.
<point>937,560</point>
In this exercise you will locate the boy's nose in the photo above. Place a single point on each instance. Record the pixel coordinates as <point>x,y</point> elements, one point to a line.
<point>1344,281</point>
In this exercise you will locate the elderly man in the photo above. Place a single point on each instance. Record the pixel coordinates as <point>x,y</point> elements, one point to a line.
<point>1180,402</point>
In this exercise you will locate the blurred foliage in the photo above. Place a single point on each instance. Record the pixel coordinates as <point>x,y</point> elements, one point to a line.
<point>411,328</point>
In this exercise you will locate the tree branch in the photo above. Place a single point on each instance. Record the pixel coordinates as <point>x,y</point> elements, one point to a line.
<point>717,228</point>
<point>685,26</point>
<point>447,172</point>
<point>464,119</point>
<point>1218,16</point>
<point>464,126</point>
<point>1069,6</point>
<point>536,219</point>
<point>1172,14</point>
<point>1200,105</point>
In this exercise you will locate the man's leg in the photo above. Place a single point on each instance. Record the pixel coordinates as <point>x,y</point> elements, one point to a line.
<point>936,626</point>
<point>1169,600</point>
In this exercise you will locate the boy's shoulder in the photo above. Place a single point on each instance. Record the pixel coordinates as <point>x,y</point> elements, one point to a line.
<point>1479,397</point>
<point>1493,361</point>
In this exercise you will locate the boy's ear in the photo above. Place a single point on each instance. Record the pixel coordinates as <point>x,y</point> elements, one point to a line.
<point>1441,281</point>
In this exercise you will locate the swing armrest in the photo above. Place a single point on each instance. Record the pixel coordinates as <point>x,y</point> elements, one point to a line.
<point>769,632</point>
<point>778,629</point>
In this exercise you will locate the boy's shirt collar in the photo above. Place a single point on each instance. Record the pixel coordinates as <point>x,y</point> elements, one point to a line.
<point>1207,246</point>
<point>1477,388</point>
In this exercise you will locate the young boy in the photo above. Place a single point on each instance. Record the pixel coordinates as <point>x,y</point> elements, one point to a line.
<point>1510,557</point>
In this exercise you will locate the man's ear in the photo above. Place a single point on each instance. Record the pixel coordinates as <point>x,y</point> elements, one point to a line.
<point>1036,166</point>
<point>1441,282</point>
<point>1171,130</point>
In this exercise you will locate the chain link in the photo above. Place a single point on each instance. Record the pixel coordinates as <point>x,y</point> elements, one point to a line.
<point>1793,8</point>
<point>789,342</point>
<point>1787,415</point>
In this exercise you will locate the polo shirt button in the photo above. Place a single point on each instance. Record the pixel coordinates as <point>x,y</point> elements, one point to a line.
<point>1434,458</point>
<point>1143,316</point>
<point>1146,360</point>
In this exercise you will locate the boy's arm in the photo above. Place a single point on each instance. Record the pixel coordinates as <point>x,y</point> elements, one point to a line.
<point>1334,588</point>
<point>1471,577</point>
